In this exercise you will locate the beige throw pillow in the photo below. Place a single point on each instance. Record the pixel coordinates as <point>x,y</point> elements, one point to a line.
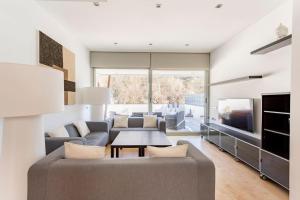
<point>77,151</point>
<point>150,121</point>
<point>59,132</point>
<point>175,151</point>
<point>82,128</point>
<point>121,121</point>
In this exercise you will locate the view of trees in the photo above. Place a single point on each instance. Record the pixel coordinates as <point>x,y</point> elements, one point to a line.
<point>173,89</point>
<point>167,88</point>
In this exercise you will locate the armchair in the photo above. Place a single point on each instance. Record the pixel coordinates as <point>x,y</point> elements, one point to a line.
<point>175,121</point>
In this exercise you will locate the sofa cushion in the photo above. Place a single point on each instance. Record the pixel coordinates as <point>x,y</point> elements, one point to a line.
<point>59,132</point>
<point>175,151</point>
<point>78,151</point>
<point>158,114</point>
<point>135,122</point>
<point>121,121</point>
<point>82,128</point>
<point>97,139</point>
<point>138,114</point>
<point>150,121</point>
<point>72,130</point>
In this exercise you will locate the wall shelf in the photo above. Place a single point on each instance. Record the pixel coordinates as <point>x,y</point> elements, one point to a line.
<point>274,45</point>
<point>275,112</point>
<point>237,80</point>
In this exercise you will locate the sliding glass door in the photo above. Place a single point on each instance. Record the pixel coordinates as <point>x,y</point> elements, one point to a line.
<point>129,88</point>
<point>180,96</point>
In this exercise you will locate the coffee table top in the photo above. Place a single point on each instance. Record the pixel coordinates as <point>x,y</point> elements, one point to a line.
<point>141,139</point>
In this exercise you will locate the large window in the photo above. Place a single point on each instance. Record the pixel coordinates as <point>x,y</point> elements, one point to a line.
<point>178,95</point>
<point>129,88</point>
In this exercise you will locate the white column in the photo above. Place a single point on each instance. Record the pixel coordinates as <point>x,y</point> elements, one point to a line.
<point>295,107</point>
<point>23,143</point>
<point>97,112</point>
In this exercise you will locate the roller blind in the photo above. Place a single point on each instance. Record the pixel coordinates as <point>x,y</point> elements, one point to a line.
<point>120,60</point>
<point>179,61</point>
<point>188,61</point>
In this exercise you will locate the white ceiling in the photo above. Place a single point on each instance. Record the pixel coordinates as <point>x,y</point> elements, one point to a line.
<point>133,24</point>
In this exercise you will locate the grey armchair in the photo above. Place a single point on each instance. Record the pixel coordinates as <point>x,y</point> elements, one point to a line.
<point>175,121</point>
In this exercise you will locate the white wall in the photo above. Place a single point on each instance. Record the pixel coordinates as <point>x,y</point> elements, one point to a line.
<point>295,109</point>
<point>20,21</point>
<point>233,60</point>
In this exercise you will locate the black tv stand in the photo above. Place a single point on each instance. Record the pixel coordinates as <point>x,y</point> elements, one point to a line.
<point>270,155</point>
<point>243,147</point>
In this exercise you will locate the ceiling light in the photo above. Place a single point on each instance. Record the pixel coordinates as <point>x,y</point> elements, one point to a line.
<point>96,3</point>
<point>220,5</point>
<point>158,5</point>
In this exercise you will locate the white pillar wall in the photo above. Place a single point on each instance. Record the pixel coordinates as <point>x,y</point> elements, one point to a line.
<point>295,107</point>
<point>35,91</point>
<point>23,143</point>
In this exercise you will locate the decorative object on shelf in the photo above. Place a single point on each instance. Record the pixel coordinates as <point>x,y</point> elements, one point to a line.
<point>53,54</point>
<point>282,31</point>
<point>27,92</point>
<point>97,97</point>
<point>237,79</point>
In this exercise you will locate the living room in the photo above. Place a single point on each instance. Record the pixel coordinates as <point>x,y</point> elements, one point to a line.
<point>135,100</point>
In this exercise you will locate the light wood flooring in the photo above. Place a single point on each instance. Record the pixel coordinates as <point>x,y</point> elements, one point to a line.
<point>234,180</point>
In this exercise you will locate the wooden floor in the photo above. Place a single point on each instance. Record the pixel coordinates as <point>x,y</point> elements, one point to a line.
<point>234,180</point>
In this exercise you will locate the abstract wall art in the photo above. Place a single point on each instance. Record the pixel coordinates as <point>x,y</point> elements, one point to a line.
<point>53,54</point>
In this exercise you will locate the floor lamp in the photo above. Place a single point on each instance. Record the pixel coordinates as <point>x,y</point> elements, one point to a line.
<point>97,97</point>
<point>27,92</point>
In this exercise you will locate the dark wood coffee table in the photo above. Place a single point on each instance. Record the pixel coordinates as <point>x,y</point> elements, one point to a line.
<point>140,140</point>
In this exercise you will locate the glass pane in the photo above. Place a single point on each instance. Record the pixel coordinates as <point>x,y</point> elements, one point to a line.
<point>180,96</point>
<point>129,88</point>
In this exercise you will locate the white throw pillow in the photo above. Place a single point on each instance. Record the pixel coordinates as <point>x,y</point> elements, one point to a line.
<point>150,121</point>
<point>59,132</point>
<point>82,128</point>
<point>77,151</point>
<point>121,121</point>
<point>175,151</point>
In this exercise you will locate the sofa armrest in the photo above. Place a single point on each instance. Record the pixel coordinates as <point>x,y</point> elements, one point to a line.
<point>52,143</point>
<point>206,171</point>
<point>101,126</point>
<point>162,125</point>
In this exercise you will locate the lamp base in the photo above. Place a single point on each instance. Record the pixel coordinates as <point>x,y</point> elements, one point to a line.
<point>97,112</point>
<point>23,143</point>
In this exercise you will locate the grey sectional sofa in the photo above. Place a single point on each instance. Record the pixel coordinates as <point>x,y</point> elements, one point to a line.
<point>57,178</point>
<point>98,136</point>
<point>135,124</point>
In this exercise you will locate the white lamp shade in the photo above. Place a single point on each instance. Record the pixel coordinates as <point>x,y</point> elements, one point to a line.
<point>27,90</point>
<point>96,95</point>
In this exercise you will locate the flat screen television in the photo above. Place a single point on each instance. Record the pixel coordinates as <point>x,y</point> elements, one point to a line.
<point>237,113</point>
